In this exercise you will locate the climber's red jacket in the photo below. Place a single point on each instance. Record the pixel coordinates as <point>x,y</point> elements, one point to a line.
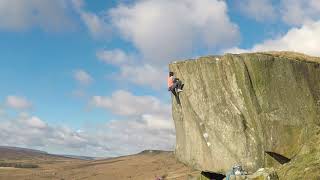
<point>170,81</point>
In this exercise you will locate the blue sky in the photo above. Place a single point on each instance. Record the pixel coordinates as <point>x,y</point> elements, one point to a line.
<point>88,77</point>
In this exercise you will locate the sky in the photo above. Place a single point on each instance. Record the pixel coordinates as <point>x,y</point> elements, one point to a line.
<point>89,77</point>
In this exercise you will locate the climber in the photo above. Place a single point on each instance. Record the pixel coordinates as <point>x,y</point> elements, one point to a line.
<point>174,84</point>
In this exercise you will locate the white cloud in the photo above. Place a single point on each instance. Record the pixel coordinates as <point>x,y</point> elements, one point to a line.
<point>116,56</point>
<point>97,25</point>
<point>35,122</point>
<point>258,9</point>
<point>165,30</point>
<point>46,14</point>
<point>82,77</point>
<point>302,39</point>
<point>125,103</point>
<point>236,50</point>
<point>32,132</point>
<point>147,124</point>
<point>78,4</point>
<point>146,75</point>
<point>315,4</point>
<point>157,122</point>
<point>134,135</point>
<point>17,102</point>
<point>299,12</point>
<point>162,31</point>
<point>131,70</point>
<point>2,111</point>
<point>292,12</point>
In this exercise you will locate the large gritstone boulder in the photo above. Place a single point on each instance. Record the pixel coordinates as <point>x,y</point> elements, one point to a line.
<point>257,110</point>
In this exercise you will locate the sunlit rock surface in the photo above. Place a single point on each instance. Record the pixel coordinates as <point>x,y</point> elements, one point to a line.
<point>234,108</point>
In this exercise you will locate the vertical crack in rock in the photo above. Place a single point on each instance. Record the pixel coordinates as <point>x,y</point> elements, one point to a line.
<point>252,88</point>
<point>259,133</point>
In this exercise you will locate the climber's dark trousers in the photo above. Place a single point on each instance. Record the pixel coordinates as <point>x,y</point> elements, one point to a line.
<point>177,85</point>
<point>173,92</point>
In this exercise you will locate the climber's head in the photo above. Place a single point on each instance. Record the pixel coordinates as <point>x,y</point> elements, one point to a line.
<point>171,74</point>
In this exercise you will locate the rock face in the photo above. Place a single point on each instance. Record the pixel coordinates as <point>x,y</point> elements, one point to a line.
<point>234,108</point>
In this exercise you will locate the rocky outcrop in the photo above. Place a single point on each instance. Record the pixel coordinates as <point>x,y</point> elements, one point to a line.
<point>306,165</point>
<point>235,108</point>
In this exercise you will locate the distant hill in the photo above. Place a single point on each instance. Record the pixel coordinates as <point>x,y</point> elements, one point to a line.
<point>7,152</point>
<point>17,153</point>
<point>146,165</point>
<point>80,157</point>
<point>154,152</point>
<point>22,149</point>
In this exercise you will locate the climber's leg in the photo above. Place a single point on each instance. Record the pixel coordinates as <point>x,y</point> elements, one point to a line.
<point>179,86</point>
<point>175,86</point>
<point>172,89</point>
<point>174,92</point>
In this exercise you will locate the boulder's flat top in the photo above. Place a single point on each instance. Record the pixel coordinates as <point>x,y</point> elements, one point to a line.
<point>284,54</point>
<point>293,56</point>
